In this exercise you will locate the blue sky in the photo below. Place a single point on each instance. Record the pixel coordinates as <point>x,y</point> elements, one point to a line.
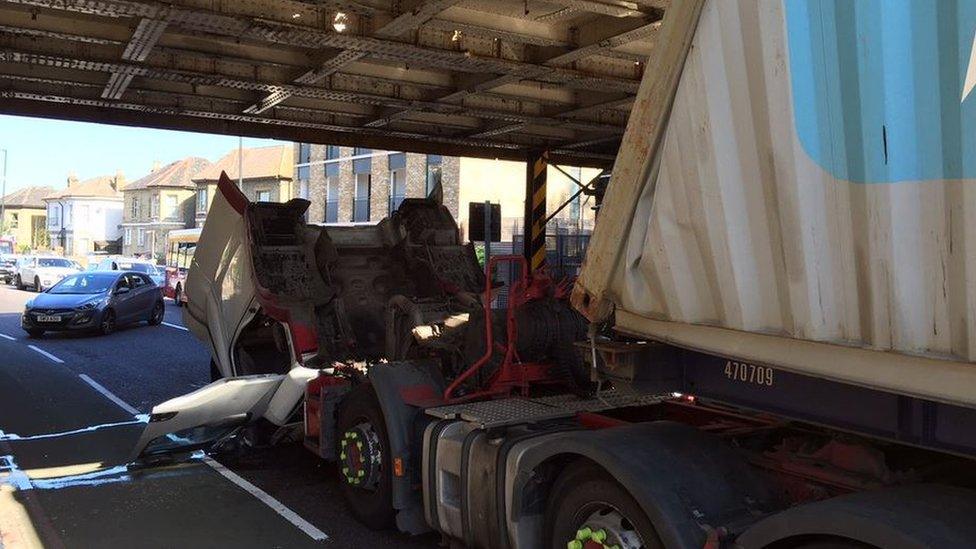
<point>42,152</point>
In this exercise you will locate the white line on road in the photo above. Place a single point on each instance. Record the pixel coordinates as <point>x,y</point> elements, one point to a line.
<point>286,513</point>
<point>177,326</point>
<point>47,354</point>
<point>11,338</point>
<point>305,526</point>
<point>109,395</point>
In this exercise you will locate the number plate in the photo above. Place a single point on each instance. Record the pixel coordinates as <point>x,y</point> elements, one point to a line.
<point>48,318</point>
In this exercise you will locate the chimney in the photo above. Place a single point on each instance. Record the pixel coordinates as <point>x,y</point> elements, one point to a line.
<point>118,181</point>
<point>72,179</point>
<point>156,165</point>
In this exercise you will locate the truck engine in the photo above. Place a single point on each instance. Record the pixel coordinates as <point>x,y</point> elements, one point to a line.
<point>407,288</point>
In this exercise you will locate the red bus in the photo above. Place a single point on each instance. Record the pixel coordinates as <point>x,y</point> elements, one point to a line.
<point>180,246</point>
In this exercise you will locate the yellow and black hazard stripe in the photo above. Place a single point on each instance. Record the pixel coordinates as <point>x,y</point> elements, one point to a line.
<point>535,219</point>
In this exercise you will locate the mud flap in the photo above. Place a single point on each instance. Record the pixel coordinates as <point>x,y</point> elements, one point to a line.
<point>404,389</point>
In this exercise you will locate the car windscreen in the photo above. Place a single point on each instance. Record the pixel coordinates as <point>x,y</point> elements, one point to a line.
<point>137,267</point>
<point>54,262</point>
<point>84,283</point>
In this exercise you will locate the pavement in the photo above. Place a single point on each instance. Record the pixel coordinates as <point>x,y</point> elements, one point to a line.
<point>71,409</point>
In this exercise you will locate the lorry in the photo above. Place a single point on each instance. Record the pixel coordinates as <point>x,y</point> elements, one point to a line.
<point>770,343</point>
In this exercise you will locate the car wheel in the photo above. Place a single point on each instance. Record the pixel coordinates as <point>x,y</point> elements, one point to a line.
<point>108,322</point>
<point>587,507</point>
<point>19,283</point>
<point>34,332</point>
<point>37,285</point>
<point>156,316</point>
<point>178,296</point>
<point>365,470</point>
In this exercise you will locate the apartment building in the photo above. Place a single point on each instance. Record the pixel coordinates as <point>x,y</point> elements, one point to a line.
<point>357,185</point>
<point>86,216</point>
<point>267,177</point>
<point>25,217</point>
<point>158,203</point>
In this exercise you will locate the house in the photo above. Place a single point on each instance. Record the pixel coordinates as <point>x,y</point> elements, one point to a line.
<point>267,177</point>
<point>155,204</point>
<point>85,216</point>
<point>25,217</point>
<point>356,185</point>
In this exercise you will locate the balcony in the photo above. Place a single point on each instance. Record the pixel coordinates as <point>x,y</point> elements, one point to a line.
<point>331,211</point>
<point>360,209</point>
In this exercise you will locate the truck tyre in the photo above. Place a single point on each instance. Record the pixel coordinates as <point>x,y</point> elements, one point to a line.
<point>364,467</point>
<point>19,283</point>
<point>587,505</point>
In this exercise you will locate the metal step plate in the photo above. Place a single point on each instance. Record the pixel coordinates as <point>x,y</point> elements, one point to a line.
<point>490,414</point>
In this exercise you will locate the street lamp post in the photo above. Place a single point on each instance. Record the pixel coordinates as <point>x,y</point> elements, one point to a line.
<point>3,192</point>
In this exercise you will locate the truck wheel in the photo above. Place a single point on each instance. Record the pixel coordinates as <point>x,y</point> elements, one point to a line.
<point>588,508</point>
<point>365,473</point>
<point>19,283</point>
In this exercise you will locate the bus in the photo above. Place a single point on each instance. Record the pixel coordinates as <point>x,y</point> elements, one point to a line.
<point>180,245</point>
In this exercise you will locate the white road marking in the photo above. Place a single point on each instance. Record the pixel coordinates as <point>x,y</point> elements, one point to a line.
<point>177,326</point>
<point>47,354</point>
<point>11,338</point>
<point>286,513</point>
<point>109,395</point>
<point>305,526</point>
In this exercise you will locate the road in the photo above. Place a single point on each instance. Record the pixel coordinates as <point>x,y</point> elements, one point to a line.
<point>69,417</point>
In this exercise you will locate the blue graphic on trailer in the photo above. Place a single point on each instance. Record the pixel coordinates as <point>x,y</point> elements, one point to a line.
<point>883,90</point>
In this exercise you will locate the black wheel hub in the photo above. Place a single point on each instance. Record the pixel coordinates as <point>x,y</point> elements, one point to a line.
<point>361,456</point>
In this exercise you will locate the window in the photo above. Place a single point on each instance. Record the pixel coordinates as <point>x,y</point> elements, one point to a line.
<point>54,215</point>
<point>202,200</point>
<point>303,189</point>
<point>433,173</point>
<point>332,200</point>
<point>360,203</point>
<point>172,205</point>
<point>398,188</point>
<point>141,237</point>
<point>304,157</point>
<point>264,196</point>
<point>362,165</point>
<point>154,206</point>
<point>127,236</point>
<point>576,203</point>
<point>134,208</point>
<point>13,220</point>
<point>332,168</point>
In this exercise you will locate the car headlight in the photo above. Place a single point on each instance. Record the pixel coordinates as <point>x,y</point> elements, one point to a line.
<point>88,306</point>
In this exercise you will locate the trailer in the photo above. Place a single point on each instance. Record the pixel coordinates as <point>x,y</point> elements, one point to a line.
<point>774,346</point>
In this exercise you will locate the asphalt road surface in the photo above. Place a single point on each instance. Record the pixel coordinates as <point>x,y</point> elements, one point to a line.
<point>69,417</point>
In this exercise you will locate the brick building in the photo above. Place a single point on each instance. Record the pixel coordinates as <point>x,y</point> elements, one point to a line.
<point>357,185</point>
<point>354,185</point>
<point>154,205</point>
<point>268,173</point>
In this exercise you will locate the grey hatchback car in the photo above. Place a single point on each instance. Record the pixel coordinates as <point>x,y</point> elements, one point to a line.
<point>96,301</point>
